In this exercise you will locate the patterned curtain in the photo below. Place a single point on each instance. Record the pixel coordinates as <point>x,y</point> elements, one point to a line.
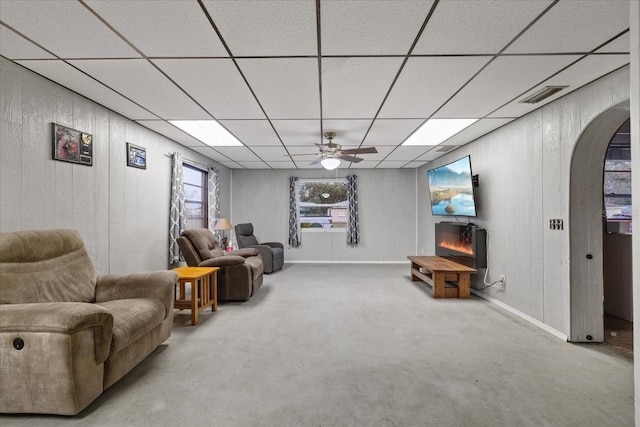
<point>294,220</point>
<point>353,225</point>
<point>177,216</point>
<point>214,201</point>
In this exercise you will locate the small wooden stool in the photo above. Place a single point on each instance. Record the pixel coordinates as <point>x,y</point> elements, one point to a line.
<point>204,290</point>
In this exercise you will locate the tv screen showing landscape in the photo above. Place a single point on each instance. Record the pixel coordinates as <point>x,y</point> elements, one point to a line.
<point>451,189</point>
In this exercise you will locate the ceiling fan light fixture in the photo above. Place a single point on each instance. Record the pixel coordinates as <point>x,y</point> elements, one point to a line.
<point>330,163</point>
<point>209,132</point>
<point>435,131</point>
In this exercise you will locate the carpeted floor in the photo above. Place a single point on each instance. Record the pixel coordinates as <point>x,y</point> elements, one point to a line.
<point>361,345</point>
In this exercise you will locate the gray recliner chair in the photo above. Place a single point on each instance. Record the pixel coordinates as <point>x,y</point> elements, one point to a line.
<point>272,253</point>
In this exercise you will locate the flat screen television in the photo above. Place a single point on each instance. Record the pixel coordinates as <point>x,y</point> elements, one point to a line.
<point>451,189</point>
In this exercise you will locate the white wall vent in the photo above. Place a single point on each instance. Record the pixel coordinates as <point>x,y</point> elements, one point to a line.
<point>543,93</point>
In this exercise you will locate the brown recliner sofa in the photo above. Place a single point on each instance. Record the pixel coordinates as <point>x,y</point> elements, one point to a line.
<point>66,334</point>
<point>272,253</point>
<point>241,271</point>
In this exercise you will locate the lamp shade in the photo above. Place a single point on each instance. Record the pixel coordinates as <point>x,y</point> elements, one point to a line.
<point>223,224</point>
<point>330,163</point>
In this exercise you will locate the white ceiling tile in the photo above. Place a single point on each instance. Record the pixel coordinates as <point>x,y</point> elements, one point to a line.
<point>426,83</point>
<point>502,80</point>
<point>211,153</point>
<point>392,164</point>
<point>354,88</point>
<point>391,131</point>
<point>254,165</point>
<point>239,154</point>
<point>460,27</point>
<point>365,164</point>
<point>69,77</point>
<point>414,165</point>
<point>574,26</point>
<point>252,133</point>
<point>282,165</point>
<point>271,154</point>
<point>371,27</point>
<point>435,152</point>
<point>621,44</point>
<point>407,153</point>
<point>575,76</point>
<point>162,27</point>
<point>287,88</point>
<point>476,130</point>
<point>266,28</point>
<point>216,84</point>
<point>298,132</point>
<point>232,165</point>
<point>14,47</point>
<point>348,132</point>
<point>145,85</point>
<point>66,28</point>
<point>171,132</point>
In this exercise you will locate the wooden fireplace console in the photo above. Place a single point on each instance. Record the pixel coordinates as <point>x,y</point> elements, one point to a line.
<point>448,279</point>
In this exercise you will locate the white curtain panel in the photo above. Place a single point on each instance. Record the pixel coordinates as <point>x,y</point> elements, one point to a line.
<point>214,201</point>
<point>294,220</point>
<point>177,215</point>
<point>353,224</point>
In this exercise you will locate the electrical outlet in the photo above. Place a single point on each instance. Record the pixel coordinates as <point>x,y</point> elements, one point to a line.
<point>503,279</point>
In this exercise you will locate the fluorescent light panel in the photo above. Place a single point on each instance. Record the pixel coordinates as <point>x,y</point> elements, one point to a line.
<point>435,131</point>
<point>209,132</point>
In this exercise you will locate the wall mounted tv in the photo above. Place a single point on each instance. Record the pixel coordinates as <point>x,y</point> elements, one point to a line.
<point>451,189</point>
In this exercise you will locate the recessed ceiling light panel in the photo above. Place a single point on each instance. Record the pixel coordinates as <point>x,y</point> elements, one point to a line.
<point>209,132</point>
<point>435,131</point>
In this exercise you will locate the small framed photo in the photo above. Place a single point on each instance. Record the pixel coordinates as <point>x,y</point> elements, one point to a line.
<point>136,156</point>
<point>70,145</point>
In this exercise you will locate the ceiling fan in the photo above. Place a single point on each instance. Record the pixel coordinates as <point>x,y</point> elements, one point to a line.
<point>331,153</point>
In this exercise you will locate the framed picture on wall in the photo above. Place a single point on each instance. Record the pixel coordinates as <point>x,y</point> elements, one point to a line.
<point>70,145</point>
<point>136,156</point>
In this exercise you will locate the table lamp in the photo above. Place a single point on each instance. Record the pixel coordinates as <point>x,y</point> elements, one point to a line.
<point>223,224</point>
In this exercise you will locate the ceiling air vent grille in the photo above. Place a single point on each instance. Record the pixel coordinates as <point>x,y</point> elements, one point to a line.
<point>543,93</point>
<point>445,148</point>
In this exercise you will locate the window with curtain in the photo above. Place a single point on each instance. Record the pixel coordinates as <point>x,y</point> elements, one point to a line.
<point>196,196</point>
<point>323,205</point>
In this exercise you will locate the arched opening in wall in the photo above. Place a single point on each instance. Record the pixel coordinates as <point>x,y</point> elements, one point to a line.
<point>617,229</point>
<point>586,224</point>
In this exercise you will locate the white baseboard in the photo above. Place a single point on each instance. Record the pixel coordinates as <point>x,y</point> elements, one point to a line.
<point>345,262</point>
<point>522,315</point>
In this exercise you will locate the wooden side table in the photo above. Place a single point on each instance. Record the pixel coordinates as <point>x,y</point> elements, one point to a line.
<point>204,290</point>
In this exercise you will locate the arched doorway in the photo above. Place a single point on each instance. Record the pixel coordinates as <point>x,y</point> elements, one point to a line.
<point>585,224</point>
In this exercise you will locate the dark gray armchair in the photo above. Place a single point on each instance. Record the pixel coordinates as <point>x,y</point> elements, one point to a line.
<point>272,253</point>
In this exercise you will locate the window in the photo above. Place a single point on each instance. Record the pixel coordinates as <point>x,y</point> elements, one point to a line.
<point>617,177</point>
<point>323,205</point>
<point>196,196</point>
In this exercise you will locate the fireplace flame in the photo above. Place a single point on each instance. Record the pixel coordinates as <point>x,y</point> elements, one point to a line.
<point>456,246</point>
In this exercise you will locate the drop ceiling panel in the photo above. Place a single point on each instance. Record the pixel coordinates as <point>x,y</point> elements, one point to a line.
<point>145,85</point>
<point>269,154</point>
<point>414,165</point>
<point>476,130</point>
<point>266,28</point>
<point>365,164</point>
<point>298,132</point>
<point>407,153</point>
<point>287,88</point>
<point>621,44</point>
<point>162,27</point>
<point>239,154</point>
<point>355,87</point>
<point>254,165</point>
<point>392,164</point>
<point>371,27</point>
<point>460,27</point>
<point>252,133</point>
<point>212,154</point>
<point>216,84</point>
<point>434,153</point>
<point>391,131</point>
<point>282,165</point>
<point>69,77</point>
<point>583,18</point>
<point>348,132</point>
<point>66,28</point>
<point>426,83</point>
<point>171,132</point>
<point>502,80</point>
<point>575,76</point>
<point>14,47</point>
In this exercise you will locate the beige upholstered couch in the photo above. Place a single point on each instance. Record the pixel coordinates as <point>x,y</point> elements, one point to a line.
<point>240,275</point>
<point>67,334</point>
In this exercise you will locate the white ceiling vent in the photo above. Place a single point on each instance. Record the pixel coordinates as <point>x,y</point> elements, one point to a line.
<point>543,93</point>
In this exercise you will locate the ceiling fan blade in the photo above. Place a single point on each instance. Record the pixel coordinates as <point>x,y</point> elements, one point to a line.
<point>363,150</point>
<point>316,161</point>
<point>350,158</point>
<point>323,147</point>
